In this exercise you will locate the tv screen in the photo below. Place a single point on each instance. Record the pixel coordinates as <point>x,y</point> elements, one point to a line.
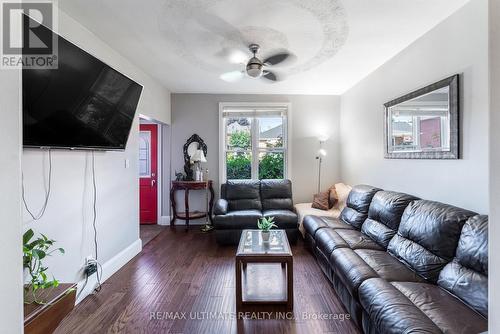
<point>83,104</point>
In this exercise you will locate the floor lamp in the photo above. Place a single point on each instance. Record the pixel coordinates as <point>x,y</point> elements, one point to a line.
<point>319,157</point>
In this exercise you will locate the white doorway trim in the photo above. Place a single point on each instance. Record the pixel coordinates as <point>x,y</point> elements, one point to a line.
<point>143,119</point>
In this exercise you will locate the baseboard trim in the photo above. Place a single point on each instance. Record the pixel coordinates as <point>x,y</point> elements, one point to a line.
<point>197,222</point>
<point>164,220</point>
<point>108,269</point>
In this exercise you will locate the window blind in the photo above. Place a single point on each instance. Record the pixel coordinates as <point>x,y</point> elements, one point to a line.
<point>240,112</point>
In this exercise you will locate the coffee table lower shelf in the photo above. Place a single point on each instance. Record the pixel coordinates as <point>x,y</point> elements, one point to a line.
<point>264,283</point>
<point>261,284</point>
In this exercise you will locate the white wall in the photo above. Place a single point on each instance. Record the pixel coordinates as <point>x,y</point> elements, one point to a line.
<point>494,222</point>
<point>311,115</point>
<point>68,218</point>
<point>457,45</point>
<point>11,306</point>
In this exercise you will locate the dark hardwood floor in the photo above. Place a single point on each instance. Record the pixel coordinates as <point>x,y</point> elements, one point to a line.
<point>149,232</point>
<point>182,282</point>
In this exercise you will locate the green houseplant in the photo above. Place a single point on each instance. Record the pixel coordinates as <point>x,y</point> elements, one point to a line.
<point>265,224</point>
<point>35,250</point>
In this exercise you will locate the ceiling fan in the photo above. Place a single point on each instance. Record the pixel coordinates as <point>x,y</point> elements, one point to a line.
<point>256,68</point>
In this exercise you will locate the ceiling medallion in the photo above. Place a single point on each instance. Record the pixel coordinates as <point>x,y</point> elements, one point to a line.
<point>197,31</point>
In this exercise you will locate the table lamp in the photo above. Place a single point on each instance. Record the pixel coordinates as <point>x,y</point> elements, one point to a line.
<point>197,158</point>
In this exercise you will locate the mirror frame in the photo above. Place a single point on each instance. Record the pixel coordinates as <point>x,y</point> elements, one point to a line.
<point>454,107</point>
<point>187,162</point>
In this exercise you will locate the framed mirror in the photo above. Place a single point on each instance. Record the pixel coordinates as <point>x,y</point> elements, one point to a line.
<point>193,144</point>
<point>424,123</point>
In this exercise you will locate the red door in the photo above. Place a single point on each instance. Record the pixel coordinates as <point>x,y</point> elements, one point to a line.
<point>430,132</point>
<point>148,176</point>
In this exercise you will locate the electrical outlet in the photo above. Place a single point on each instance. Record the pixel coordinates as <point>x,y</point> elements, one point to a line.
<point>90,269</point>
<point>90,266</point>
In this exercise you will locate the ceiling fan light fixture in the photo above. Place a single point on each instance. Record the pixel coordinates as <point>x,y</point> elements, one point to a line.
<point>254,67</point>
<point>254,71</point>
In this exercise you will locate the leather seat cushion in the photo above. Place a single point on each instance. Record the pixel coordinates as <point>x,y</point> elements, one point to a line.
<point>242,194</point>
<point>313,223</point>
<point>276,194</point>
<point>378,232</point>
<point>353,217</point>
<point>358,240</point>
<point>428,236</point>
<point>284,219</point>
<point>391,311</point>
<point>350,269</point>
<point>387,266</point>
<point>449,313</point>
<point>327,240</point>
<point>467,275</point>
<point>360,197</point>
<point>384,215</point>
<point>357,205</point>
<point>242,189</point>
<point>387,207</point>
<point>243,219</point>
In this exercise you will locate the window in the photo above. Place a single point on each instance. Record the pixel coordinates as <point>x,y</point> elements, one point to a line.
<point>144,154</point>
<point>253,141</point>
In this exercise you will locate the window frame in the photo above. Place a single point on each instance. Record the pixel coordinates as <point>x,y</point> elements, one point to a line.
<point>148,158</point>
<point>287,151</point>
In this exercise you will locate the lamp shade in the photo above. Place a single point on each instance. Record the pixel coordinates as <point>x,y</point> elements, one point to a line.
<point>198,156</point>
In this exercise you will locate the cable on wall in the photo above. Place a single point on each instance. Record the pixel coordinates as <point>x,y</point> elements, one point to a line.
<point>94,223</point>
<point>47,193</point>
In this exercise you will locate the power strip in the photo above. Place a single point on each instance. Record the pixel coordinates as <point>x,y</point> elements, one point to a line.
<point>90,267</point>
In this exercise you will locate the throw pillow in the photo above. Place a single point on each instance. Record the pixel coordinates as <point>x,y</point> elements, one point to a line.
<point>320,201</point>
<point>333,198</point>
<point>343,191</point>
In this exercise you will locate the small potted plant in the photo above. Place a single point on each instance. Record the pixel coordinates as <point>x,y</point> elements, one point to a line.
<point>265,224</point>
<point>34,251</point>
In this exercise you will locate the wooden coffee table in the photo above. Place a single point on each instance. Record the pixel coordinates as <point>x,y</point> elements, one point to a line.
<point>264,270</point>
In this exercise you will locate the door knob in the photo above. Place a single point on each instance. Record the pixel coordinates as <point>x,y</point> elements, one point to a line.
<point>153,181</point>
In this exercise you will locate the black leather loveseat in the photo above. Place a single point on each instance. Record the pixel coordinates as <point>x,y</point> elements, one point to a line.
<point>243,202</point>
<point>404,265</point>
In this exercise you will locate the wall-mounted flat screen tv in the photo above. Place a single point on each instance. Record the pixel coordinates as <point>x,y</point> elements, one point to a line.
<point>83,104</point>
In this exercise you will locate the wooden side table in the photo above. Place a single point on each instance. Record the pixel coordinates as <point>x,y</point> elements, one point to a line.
<point>187,186</point>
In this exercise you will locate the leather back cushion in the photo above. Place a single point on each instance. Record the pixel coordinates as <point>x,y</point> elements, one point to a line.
<point>242,194</point>
<point>467,275</point>
<point>276,194</point>
<point>384,215</point>
<point>428,236</point>
<point>357,205</point>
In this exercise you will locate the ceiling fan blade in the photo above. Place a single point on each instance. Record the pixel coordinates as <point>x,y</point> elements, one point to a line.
<point>278,58</point>
<point>270,76</point>
<point>232,76</point>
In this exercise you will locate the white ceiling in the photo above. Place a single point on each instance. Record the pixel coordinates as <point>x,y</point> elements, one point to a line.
<point>336,42</point>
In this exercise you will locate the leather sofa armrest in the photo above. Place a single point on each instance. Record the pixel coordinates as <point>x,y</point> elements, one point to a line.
<point>220,207</point>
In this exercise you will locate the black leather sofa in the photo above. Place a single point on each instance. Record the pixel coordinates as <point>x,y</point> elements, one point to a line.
<point>243,202</point>
<point>404,265</point>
